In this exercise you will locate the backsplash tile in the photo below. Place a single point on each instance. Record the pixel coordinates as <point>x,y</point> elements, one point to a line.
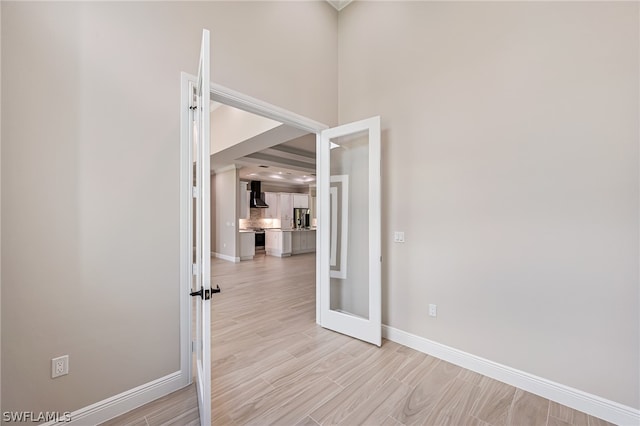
<point>257,221</point>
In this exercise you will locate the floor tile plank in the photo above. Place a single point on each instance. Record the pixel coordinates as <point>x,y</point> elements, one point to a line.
<point>529,409</point>
<point>272,364</point>
<point>494,402</point>
<point>427,387</point>
<point>378,405</point>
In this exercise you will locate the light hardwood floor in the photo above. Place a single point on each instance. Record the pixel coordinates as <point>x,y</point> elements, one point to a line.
<point>273,365</point>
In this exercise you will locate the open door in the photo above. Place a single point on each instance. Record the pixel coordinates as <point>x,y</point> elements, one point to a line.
<point>201,267</point>
<point>349,226</point>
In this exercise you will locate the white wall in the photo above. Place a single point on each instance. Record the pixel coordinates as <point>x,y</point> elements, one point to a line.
<point>225,187</point>
<point>510,160</point>
<point>90,174</point>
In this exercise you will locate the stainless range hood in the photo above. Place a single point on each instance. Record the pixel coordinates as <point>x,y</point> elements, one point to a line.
<point>257,196</point>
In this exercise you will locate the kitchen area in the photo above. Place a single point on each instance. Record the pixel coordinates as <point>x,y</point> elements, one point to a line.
<point>276,220</point>
<point>263,187</point>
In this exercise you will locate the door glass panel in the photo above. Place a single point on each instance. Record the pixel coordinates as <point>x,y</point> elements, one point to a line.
<point>349,225</point>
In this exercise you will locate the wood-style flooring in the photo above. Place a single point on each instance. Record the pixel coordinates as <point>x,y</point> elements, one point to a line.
<point>272,365</point>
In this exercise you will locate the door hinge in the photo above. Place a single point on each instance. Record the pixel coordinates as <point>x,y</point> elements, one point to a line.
<point>194,191</point>
<point>194,268</point>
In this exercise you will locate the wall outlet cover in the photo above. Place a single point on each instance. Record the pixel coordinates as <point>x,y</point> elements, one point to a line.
<point>59,366</point>
<point>433,310</point>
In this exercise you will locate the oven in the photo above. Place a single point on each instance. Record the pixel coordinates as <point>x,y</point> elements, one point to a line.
<point>259,240</point>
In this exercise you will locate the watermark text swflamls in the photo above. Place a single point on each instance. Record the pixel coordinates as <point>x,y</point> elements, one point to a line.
<point>33,417</point>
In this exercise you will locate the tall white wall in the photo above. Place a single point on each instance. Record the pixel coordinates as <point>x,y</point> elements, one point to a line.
<point>225,205</point>
<point>90,174</point>
<point>510,160</point>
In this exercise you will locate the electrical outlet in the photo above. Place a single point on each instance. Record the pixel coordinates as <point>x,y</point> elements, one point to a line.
<point>398,237</point>
<point>59,366</point>
<point>433,310</point>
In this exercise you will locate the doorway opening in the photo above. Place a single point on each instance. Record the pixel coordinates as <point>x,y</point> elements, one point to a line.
<point>344,320</point>
<point>270,136</point>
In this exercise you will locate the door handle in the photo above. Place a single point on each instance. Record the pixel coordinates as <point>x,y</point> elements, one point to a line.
<point>205,293</point>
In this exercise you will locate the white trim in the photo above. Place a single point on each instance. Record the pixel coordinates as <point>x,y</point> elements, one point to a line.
<point>321,236</point>
<point>124,402</point>
<point>239,100</point>
<point>202,230</point>
<point>579,400</point>
<point>186,217</point>
<point>225,257</point>
<point>344,226</point>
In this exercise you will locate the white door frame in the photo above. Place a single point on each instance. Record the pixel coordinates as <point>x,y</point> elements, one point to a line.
<point>187,81</point>
<point>241,101</point>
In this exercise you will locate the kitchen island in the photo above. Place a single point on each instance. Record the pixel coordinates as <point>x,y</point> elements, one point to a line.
<point>247,244</point>
<point>287,242</point>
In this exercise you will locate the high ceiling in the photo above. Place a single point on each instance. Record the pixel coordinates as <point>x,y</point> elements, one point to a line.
<point>276,153</point>
<point>339,4</point>
<point>292,162</point>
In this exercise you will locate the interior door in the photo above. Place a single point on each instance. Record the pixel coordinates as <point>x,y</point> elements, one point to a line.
<point>201,282</point>
<point>349,229</point>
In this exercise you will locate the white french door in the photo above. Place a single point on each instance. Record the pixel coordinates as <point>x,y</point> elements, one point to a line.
<point>349,227</point>
<point>201,266</point>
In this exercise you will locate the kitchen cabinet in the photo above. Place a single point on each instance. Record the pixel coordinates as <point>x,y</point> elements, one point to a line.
<point>278,242</point>
<point>281,205</point>
<point>313,205</point>
<point>286,210</point>
<point>271,212</point>
<point>247,245</point>
<point>300,201</point>
<point>244,201</point>
<point>311,241</point>
<point>303,241</point>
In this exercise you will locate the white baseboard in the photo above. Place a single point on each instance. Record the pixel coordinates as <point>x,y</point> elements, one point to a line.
<point>276,253</point>
<point>591,404</point>
<point>226,257</point>
<point>126,401</point>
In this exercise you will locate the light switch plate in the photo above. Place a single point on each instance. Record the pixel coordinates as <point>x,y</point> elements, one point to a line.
<point>398,237</point>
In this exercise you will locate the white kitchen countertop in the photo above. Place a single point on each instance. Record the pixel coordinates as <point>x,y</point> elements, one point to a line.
<point>290,230</point>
